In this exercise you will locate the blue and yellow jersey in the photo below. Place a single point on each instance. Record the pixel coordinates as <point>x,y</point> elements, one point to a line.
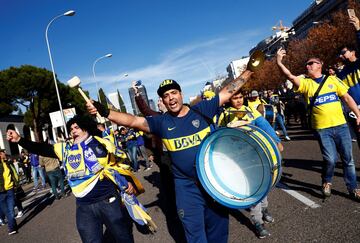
<point>350,75</point>
<point>139,138</point>
<point>109,135</point>
<point>232,114</point>
<point>130,138</point>
<point>254,104</point>
<point>183,135</point>
<point>88,163</point>
<point>274,99</point>
<point>327,111</point>
<point>245,113</point>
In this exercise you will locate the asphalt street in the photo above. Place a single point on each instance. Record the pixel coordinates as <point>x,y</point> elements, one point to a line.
<point>301,214</point>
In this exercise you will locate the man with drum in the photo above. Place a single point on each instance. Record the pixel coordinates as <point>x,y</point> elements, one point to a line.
<point>327,120</point>
<point>237,114</point>
<point>182,129</point>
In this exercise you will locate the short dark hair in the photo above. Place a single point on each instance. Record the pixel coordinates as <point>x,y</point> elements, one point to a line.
<point>240,91</point>
<point>350,47</point>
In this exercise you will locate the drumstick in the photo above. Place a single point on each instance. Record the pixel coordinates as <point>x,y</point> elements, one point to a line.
<point>75,83</point>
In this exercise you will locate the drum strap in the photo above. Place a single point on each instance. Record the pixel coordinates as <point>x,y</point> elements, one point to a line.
<point>312,101</point>
<point>212,125</point>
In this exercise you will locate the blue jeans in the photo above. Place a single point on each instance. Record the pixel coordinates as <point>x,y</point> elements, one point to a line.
<point>90,219</point>
<point>35,171</point>
<point>335,140</point>
<point>7,203</point>
<point>55,177</point>
<point>142,151</point>
<point>279,121</point>
<point>2,214</point>
<point>133,157</point>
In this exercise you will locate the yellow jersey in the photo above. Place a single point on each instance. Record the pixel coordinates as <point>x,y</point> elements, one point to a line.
<point>254,104</point>
<point>327,111</point>
<point>232,114</point>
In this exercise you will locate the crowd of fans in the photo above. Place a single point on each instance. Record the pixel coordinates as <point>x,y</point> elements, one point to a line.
<point>89,161</point>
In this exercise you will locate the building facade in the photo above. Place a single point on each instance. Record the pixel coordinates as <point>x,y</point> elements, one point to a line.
<point>114,99</point>
<point>143,93</point>
<point>318,12</point>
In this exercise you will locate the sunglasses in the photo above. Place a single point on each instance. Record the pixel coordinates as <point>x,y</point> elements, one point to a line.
<point>311,63</point>
<point>343,52</point>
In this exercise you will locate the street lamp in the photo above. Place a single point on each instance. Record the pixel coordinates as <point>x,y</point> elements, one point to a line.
<point>68,13</point>
<point>93,70</point>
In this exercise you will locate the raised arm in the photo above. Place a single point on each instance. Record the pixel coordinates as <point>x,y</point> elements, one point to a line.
<point>142,105</point>
<point>231,88</point>
<point>355,21</point>
<point>43,149</point>
<point>119,118</point>
<point>279,57</point>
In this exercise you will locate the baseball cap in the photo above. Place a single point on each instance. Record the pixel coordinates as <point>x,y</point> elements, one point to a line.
<point>166,85</point>
<point>254,93</point>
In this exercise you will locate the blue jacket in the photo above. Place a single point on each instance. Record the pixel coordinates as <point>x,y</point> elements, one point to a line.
<point>34,160</point>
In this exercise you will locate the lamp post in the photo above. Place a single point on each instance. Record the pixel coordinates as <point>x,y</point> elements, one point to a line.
<point>93,70</point>
<point>68,13</point>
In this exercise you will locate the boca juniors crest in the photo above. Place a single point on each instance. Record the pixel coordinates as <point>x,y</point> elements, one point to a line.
<point>74,160</point>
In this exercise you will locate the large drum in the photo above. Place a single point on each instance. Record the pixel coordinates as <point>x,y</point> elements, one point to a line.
<point>267,111</point>
<point>238,166</point>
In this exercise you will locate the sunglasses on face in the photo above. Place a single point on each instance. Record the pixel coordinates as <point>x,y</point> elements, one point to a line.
<point>343,52</point>
<point>311,63</point>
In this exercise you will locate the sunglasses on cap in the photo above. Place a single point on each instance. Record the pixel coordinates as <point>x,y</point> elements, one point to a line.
<point>311,63</point>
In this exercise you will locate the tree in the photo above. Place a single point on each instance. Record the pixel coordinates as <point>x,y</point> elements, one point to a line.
<point>323,41</point>
<point>102,97</point>
<point>33,89</point>
<point>121,102</point>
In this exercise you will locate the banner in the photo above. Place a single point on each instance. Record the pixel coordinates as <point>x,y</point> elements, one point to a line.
<point>56,119</point>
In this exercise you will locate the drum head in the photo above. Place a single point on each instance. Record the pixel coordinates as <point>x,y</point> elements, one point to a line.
<point>233,168</point>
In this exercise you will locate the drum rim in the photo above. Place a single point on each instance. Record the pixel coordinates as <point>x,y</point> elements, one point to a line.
<point>213,192</point>
<point>277,152</point>
<point>263,112</point>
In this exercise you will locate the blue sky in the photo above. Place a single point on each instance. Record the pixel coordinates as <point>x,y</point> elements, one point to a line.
<point>190,41</point>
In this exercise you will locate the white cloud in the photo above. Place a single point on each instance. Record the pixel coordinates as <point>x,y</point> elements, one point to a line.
<point>191,65</point>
